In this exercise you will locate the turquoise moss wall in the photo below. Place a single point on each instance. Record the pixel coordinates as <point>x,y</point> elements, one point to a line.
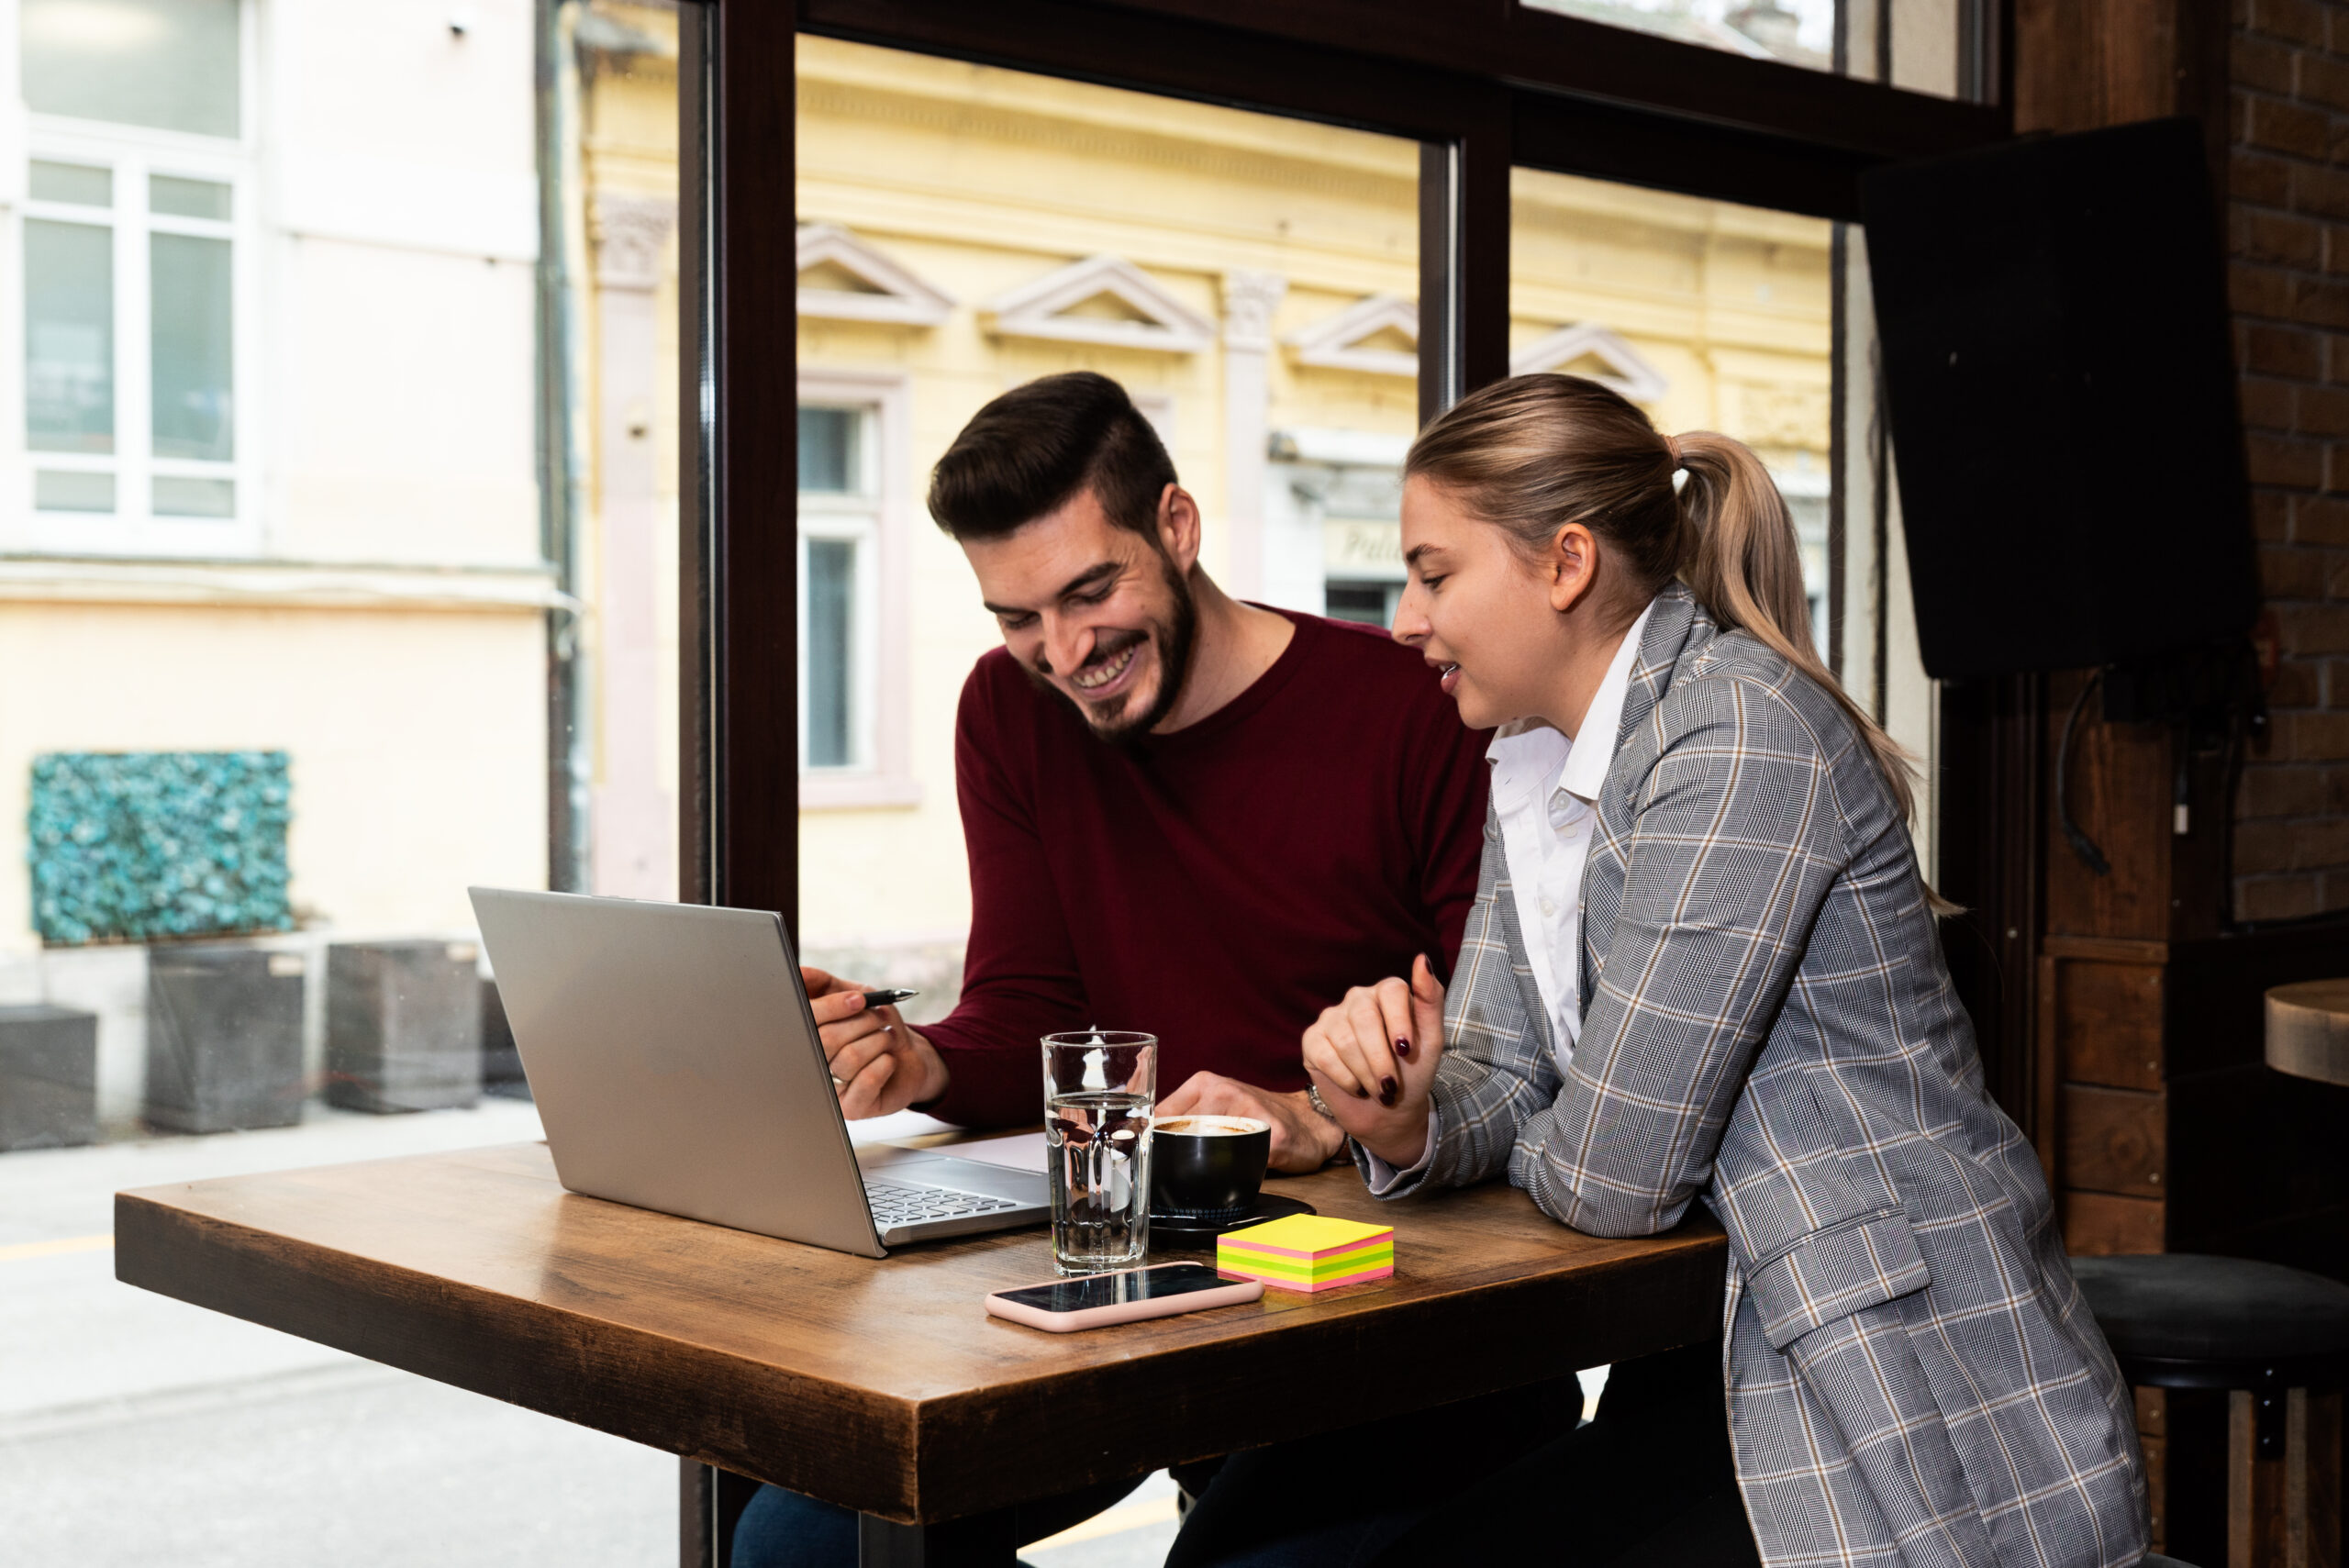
<point>141,845</point>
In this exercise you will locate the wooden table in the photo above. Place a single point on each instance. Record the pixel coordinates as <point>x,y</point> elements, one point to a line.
<point>883,1386</point>
<point>2308,1029</point>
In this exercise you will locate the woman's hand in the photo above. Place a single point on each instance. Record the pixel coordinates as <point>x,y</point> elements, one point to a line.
<point>1373,1056</point>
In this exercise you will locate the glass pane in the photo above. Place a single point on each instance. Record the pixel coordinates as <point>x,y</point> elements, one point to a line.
<point>63,491</point>
<point>1708,316</point>
<point>828,456</point>
<point>75,183</point>
<point>180,497</point>
<point>1925,46</point>
<point>236,834</point>
<point>194,350</point>
<point>1800,33</point>
<point>69,336</point>
<point>831,685</point>
<point>167,64</point>
<point>187,199</point>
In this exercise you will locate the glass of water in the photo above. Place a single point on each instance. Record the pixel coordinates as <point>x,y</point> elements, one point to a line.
<point>1101,1086</point>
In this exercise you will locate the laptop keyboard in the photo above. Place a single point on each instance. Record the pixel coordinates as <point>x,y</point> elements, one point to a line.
<point>893,1204</point>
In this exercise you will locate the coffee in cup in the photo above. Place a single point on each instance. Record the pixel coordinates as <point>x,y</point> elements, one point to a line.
<point>1208,1167</point>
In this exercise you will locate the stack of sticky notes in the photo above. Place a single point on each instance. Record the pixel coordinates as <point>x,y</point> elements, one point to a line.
<point>1306,1252</point>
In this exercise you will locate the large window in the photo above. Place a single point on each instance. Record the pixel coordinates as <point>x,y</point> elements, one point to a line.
<point>338,573</point>
<point>134,235</point>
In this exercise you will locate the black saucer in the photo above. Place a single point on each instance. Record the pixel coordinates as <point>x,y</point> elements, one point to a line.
<point>1190,1231</point>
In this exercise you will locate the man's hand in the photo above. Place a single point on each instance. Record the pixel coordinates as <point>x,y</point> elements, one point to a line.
<point>879,1066</point>
<point>1373,1056</point>
<point>1302,1139</point>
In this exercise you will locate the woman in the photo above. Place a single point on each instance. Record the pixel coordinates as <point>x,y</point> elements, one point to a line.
<point>1703,963</point>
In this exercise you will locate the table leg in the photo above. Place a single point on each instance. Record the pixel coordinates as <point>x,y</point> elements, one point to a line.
<point>983,1542</point>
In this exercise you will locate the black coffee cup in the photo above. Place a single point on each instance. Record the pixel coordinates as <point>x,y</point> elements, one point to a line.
<point>1208,1167</point>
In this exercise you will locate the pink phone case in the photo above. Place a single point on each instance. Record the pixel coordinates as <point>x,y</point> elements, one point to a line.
<point>1232,1294</point>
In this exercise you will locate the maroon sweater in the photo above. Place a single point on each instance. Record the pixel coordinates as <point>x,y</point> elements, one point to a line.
<point>1217,886</point>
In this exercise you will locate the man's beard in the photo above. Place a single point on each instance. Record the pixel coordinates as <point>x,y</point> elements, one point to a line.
<point>1174,638</point>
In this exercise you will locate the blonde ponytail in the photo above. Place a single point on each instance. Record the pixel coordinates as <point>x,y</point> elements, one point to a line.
<point>1740,558</point>
<point>1534,453</point>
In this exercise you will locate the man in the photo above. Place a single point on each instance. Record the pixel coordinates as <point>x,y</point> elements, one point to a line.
<point>1184,814</point>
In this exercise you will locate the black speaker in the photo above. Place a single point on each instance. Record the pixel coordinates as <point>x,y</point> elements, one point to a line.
<point>2061,393</point>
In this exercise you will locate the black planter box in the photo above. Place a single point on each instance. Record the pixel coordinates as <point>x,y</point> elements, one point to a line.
<point>48,1077</point>
<point>403,1026</point>
<point>224,1038</point>
<point>501,1062</point>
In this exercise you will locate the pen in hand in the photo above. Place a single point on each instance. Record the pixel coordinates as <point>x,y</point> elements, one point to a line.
<point>885,998</point>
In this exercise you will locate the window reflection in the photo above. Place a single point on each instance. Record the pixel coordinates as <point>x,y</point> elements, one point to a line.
<point>1801,32</point>
<point>171,65</point>
<point>69,336</point>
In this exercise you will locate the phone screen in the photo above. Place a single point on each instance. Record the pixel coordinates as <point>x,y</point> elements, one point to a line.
<point>1109,1290</point>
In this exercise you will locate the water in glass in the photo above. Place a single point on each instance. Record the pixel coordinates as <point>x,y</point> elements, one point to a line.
<point>1099,1090</point>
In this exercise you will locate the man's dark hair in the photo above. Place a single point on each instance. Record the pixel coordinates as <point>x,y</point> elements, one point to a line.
<point>1033,449</point>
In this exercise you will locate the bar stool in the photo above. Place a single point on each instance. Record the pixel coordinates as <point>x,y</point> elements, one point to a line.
<point>2278,1339</point>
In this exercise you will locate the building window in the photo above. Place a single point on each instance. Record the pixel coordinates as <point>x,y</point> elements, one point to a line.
<point>839,523</point>
<point>134,255</point>
<point>853,499</point>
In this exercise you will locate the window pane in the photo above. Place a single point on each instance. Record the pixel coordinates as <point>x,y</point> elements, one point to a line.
<point>236,835</point>
<point>187,199</point>
<point>1801,32</point>
<point>167,64</point>
<point>1925,46</point>
<point>192,349</point>
<point>69,336</point>
<point>1251,281</point>
<point>57,491</point>
<point>75,183</point>
<point>180,497</point>
<point>831,601</point>
<point>828,456</point>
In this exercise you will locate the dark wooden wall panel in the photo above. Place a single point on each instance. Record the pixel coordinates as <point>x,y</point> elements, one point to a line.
<point>2102,1224</point>
<point>2108,1024</point>
<point>2115,1141</point>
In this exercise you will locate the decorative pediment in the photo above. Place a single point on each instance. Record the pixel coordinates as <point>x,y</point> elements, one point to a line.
<point>1592,352</point>
<point>1102,299</point>
<point>1380,335</point>
<point>845,279</point>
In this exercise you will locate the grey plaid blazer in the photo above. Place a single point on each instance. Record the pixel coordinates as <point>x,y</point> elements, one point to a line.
<point>1912,1375</point>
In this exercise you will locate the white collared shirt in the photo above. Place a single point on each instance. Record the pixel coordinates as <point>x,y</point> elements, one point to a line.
<point>1543,790</point>
<point>1545,786</point>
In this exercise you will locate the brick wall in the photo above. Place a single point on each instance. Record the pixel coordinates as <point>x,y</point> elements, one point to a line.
<point>2289,234</point>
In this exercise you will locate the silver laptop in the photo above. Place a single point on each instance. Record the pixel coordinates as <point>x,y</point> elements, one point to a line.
<point>677,1067</point>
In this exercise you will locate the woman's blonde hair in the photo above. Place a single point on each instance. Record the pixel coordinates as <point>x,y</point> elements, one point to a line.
<point>1535,452</point>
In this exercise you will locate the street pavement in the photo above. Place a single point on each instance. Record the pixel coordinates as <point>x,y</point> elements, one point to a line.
<point>136,1431</point>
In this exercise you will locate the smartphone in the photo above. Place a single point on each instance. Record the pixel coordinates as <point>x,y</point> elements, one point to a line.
<point>1095,1301</point>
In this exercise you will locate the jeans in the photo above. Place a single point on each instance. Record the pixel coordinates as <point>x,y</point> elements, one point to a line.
<point>786,1529</point>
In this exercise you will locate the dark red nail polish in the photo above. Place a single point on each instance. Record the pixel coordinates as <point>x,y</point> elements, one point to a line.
<point>1387,1091</point>
<point>1361,1093</point>
<point>1402,1048</point>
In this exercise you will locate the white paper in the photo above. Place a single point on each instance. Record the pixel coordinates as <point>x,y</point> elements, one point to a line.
<point>1016,1152</point>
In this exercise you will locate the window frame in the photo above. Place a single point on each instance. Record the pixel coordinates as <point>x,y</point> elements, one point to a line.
<point>878,521</point>
<point>133,153</point>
